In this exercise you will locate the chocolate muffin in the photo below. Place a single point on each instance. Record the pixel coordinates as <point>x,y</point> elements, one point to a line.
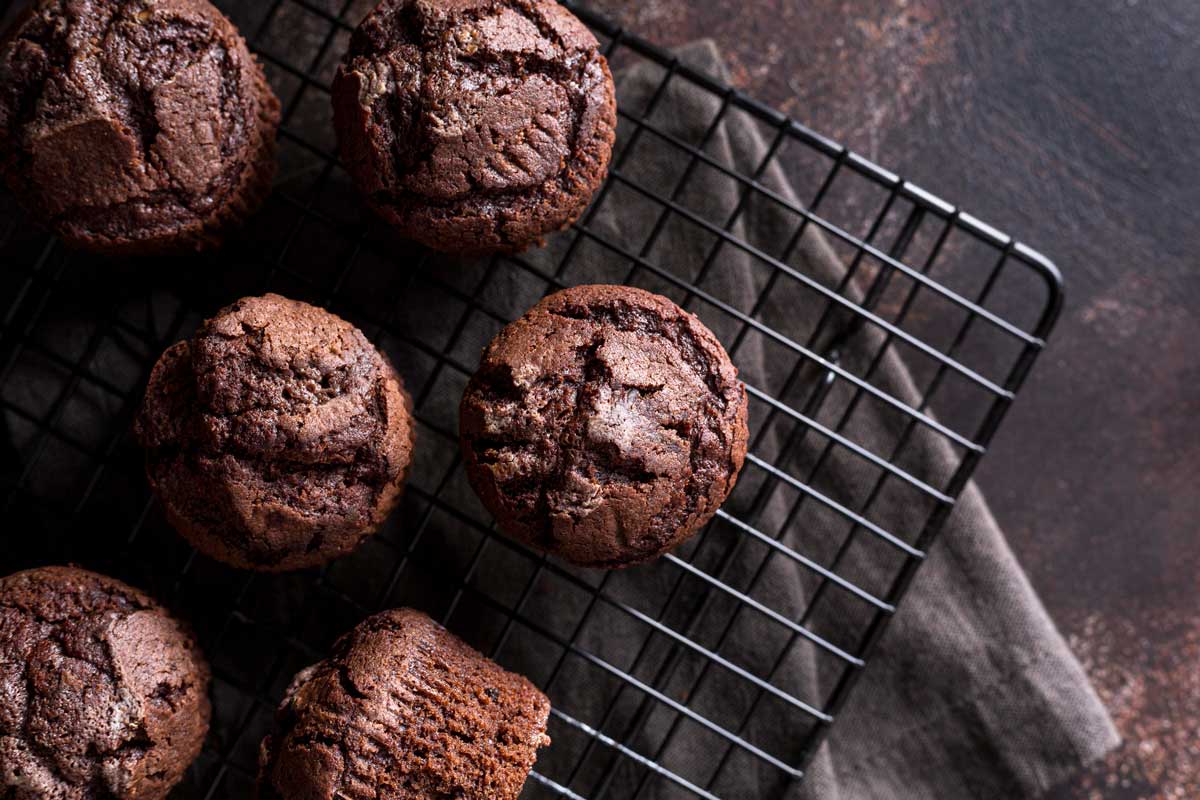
<point>278,437</point>
<point>605,426</point>
<point>102,693</point>
<point>403,710</point>
<point>134,126</point>
<point>475,126</point>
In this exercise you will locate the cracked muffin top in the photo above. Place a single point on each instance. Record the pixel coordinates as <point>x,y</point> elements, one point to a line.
<point>605,426</point>
<point>403,709</point>
<point>277,437</point>
<point>102,693</point>
<point>475,125</point>
<point>134,126</point>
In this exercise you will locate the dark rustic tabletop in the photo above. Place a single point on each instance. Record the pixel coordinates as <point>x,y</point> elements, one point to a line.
<point>1075,126</point>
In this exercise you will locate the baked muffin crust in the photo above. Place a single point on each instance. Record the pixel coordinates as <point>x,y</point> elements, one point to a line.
<point>605,426</point>
<point>278,437</point>
<point>402,709</point>
<point>475,125</point>
<point>102,693</point>
<point>134,127</point>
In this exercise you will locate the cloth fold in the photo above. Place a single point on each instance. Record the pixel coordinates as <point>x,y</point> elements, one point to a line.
<point>972,692</point>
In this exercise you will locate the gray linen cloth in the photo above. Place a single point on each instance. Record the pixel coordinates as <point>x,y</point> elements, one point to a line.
<point>971,693</point>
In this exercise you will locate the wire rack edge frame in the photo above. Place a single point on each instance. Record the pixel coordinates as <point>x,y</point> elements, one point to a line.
<point>920,198</point>
<point>1037,261</point>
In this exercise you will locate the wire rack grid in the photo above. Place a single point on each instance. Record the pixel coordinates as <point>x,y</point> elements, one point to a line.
<point>967,307</point>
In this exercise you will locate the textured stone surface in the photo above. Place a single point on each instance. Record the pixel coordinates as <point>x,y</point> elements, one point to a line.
<point>134,126</point>
<point>475,126</point>
<point>402,709</point>
<point>102,693</point>
<point>277,437</point>
<point>606,426</point>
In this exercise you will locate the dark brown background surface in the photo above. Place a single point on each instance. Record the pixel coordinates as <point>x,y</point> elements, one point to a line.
<point>1075,126</point>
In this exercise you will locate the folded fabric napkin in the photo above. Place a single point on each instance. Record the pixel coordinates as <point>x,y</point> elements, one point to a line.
<point>971,693</point>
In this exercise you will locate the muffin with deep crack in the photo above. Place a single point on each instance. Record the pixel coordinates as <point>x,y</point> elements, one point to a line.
<point>134,127</point>
<point>403,709</point>
<point>102,693</point>
<point>278,437</point>
<point>606,426</point>
<point>475,126</point>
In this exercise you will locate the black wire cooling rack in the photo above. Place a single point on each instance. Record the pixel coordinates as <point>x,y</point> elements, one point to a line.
<point>968,308</point>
